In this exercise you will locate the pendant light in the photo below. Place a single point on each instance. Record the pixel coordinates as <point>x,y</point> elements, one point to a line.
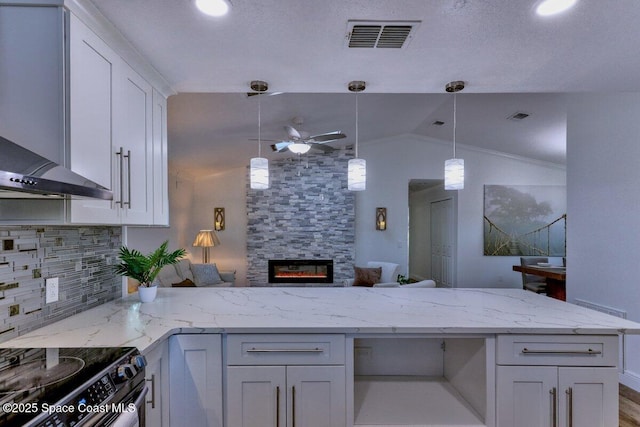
<point>259,166</point>
<point>357,168</point>
<point>454,168</point>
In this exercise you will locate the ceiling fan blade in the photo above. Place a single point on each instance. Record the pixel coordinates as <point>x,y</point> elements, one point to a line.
<point>323,148</point>
<point>280,146</point>
<point>264,140</point>
<point>293,132</point>
<point>326,137</point>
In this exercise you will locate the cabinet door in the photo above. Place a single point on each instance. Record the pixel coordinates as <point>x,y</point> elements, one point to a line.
<point>316,396</point>
<point>157,376</point>
<point>92,87</point>
<point>256,396</point>
<point>588,397</point>
<point>160,159</point>
<point>133,135</point>
<point>195,379</point>
<point>526,396</point>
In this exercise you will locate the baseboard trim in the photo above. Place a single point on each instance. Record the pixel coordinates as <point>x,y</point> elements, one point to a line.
<point>631,380</point>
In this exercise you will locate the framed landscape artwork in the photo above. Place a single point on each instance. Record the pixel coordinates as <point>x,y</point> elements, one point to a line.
<point>525,220</point>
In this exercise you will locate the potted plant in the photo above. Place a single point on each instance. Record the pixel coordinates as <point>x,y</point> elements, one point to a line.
<point>145,268</point>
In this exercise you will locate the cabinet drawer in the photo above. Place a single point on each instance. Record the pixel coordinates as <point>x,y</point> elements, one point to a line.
<point>558,350</point>
<point>285,349</point>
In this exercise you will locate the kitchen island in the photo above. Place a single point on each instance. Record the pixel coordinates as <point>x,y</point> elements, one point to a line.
<point>473,354</point>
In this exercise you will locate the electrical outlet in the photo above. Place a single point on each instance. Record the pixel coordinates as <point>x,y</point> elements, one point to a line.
<point>52,290</point>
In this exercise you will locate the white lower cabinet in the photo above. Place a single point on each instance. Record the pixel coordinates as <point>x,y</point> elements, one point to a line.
<point>195,380</point>
<point>557,381</point>
<point>285,380</point>
<point>279,396</point>
<point>547,396</point>
<point>157,377</point>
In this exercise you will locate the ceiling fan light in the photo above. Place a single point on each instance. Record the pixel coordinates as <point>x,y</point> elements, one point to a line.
<point>213,7</point>
<point>299,147</point>
<point>259,173</point>
<point>357,175</point>
<point>454,174</point>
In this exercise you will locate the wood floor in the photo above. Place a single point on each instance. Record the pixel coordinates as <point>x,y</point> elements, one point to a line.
<point>629,404</point>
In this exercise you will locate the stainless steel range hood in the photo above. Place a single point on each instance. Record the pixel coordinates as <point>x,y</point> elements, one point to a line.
<point>25,174</point>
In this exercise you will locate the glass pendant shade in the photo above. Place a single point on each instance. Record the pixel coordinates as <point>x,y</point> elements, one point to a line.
<point>259,173</point>
<point>454,174</point>
<point>357,175</point>
<point>299,148</point>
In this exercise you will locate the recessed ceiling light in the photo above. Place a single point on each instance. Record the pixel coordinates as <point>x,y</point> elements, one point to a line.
<point>213,7</point>
<point>553,7</point>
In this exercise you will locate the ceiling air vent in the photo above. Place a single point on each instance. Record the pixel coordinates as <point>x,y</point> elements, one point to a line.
<point>380,34</point>
<point>518,116</point>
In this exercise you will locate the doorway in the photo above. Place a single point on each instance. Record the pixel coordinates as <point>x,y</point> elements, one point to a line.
<point>432,232</point>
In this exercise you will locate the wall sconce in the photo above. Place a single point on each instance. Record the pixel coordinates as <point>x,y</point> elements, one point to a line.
<point>381,219</point>
<point>218,219</point>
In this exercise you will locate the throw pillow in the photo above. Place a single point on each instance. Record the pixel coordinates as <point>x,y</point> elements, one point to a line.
<point>186,283</point>
<point>183,267</point>
<point>368,276</point>
<point>205,274</point>
<point>168,275</point>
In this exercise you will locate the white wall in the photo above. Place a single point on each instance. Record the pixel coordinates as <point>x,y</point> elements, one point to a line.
<point>390,166</point>
<point>225,190</point>
<point>603,208</point>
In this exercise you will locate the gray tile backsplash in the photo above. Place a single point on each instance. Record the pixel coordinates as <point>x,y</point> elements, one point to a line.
<point>81,257</point>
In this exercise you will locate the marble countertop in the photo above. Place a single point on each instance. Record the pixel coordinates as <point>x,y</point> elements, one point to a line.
<point>127,322</point>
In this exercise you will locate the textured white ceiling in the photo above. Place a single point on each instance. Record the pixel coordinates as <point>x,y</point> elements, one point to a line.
<point>511,60</point>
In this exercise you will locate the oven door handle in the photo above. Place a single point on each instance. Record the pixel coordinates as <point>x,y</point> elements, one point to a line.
<point>139,402</point>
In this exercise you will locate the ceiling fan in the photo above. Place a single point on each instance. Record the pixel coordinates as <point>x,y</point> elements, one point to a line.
<point>301,142</point>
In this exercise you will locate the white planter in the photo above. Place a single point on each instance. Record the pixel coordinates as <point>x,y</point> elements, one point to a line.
<point>147,294</point>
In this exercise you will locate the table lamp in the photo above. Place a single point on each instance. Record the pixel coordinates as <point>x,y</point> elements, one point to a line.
<point>206,239</point>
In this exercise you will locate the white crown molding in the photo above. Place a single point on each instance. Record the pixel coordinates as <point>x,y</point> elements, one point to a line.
<point>466,148</point>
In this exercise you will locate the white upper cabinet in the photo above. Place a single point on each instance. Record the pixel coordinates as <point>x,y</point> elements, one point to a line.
<point>160,163</point>
<point>111,132</point>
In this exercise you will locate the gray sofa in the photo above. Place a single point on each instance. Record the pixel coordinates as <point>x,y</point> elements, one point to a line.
<point>187,274</point>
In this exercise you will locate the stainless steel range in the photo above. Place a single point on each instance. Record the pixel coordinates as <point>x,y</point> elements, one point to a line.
<point>72,387</point>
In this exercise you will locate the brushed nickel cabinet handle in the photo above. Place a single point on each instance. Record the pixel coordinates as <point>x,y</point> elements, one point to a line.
<point>554,407</point>
<point>153,391</point>
<point>284,350</point>
<point>586,352</point>
<point>293,406</point>
<point>121,155</point>
<point>569,392</point>
<point>128,202</point>
<point>277,406</point>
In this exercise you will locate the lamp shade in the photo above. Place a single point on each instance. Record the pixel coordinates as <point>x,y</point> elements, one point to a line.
<point>206,239</point>
<point>259,173</point>
<point>299,147</point>
<point>454,174</point>
<point>357,175</point>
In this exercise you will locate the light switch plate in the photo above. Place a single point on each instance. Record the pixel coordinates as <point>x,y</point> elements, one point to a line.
<point>51,290</point>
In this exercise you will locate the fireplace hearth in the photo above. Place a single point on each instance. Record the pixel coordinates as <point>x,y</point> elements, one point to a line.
<point>300,271</point>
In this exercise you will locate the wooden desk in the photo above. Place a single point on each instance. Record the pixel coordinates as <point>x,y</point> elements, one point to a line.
<point>555,278</point>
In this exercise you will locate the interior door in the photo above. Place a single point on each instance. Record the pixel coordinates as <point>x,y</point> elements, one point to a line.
<point>443,246</point>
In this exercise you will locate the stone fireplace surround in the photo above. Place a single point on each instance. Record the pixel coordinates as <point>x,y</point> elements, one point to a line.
<point>307,213</point>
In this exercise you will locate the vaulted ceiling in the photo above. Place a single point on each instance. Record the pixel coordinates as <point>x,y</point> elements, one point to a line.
<point>511,60</point>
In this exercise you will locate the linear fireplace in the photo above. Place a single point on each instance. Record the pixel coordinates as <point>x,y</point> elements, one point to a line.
<point>300,271</point>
